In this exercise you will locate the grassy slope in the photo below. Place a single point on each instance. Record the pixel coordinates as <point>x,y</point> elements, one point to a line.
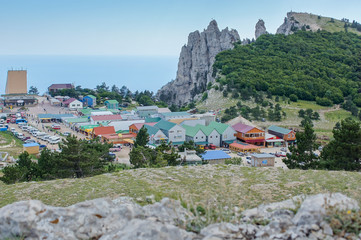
<point>210,185</point>
<point>324,23</point>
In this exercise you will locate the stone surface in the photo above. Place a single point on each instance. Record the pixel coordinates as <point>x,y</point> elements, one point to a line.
<point>260,28</point>
<point>290,25</point>
<point>195,63</point>
<point>122,218</point>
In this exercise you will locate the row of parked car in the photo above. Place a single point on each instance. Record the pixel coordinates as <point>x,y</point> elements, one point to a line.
<point>35,133</point>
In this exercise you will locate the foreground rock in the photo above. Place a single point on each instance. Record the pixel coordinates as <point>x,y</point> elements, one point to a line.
<point>123,219</point>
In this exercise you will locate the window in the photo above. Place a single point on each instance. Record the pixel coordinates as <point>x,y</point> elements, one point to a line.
<point>196,137</point>
<point>171,131</point>
<point>211,137</point>
<point>216,136</point>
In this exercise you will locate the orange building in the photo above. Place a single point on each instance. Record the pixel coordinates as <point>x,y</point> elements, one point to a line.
<point>249,134</point>
<point>286,134</point>
<point>243,147</point>
<point>135,127</point>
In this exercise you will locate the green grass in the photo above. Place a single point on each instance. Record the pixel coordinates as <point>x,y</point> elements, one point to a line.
<point>8,137</point>
<point>338,115</point>
<point>301,104</point>
<point>225,185</point>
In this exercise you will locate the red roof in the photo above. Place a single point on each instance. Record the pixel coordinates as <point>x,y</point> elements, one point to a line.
<point>140,125</point>
<point>103,130</point>
<point>242,128</point>
<point>243,146</point>
<point>61,86</point>
<point>106,117</point>
<point>70,100</point>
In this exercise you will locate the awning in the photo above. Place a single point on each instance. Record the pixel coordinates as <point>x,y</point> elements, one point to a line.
<point>177,143</point>
<point>230,141</point>
<point>128,141</point>
<point>201,143</point>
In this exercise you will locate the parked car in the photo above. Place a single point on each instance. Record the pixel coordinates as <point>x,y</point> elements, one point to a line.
<point>226,150</point>
<point>115,149</point>
<point>42,146</point>
<point>30,141</point>
<point>240,154</point>
<point>249,161</point>
<point>12,130</point>
<point>26,138</point>
<point>56,127</point>
<point>281,154</point>
<point>66,134</point>
<point>284,149</point>
<point>210,146</point>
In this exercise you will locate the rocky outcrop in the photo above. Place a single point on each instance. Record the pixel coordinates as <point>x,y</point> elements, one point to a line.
<point>195,63</point>
<point>290,25</point>
<point>260,28</point>
<point>299,218</point>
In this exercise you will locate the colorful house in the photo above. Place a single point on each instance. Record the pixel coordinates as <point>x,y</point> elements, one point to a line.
<point>90,101</point>
<point>147,111</point>
<point>73,104</point>
<point>195,134</point>
<point>289,136</point>
<point>156,136</point>
<point>274,141</point>
<point>112,104</point>
<point>98,119</point>
<point>228,134</point>
<point>135,127</point>
<point>249,134</point>
<point>100,131</point>
<point>175,133</point>
<point>53,88</point>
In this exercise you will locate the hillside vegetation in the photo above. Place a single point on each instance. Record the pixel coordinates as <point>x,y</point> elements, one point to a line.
<point>320,66</point>
<point>208,185</point>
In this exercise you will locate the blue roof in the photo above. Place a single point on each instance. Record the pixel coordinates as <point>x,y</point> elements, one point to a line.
<point>30,144</point>
<point>214,155</point>
<point>56,116</point>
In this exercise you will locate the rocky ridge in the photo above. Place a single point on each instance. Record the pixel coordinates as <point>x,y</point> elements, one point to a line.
<point>302,217</point>
<point>195,63</point>
<point>260,28</point>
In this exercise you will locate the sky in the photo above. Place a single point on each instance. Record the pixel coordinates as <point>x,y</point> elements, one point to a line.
<point>140,27</point>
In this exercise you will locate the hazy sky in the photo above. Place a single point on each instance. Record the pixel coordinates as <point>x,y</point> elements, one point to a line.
<point>140,27</point>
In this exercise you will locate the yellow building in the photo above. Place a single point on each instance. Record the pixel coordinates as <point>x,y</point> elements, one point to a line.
<point>31,148</point>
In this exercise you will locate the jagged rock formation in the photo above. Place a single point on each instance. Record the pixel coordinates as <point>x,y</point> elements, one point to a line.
<point>195,63</point>
<point>260,28</point>
<point>123,219</point>
<point>290,25</point>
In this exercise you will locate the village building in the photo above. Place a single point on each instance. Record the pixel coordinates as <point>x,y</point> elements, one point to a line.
<point>244,147</point>
<point>274,141</point>
<point>31,148</point>
<point>135,127</point>
<point>174,115</point>
<point>54,88</point>
<point>111,104</point>
<point>215,156</point>
<point>249,134</point>
<point>101,119</point>
<point>164,110</point>
<point>49,117</point>
<point>175,133</point>
<point>227,133</point>
<point>289,136</point>
<point>124,125</point>
<point>73,104</point>
<point>54,102</point>
<point>189,157</point>
<point>156,136</point>
<point>89,101</point>
<point>103,130</point>
<point>195,134</point>
<point>147,111</point>
<point>262,160</point>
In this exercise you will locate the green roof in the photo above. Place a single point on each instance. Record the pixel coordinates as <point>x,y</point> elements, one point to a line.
<point>165,125</point>
<point>88,111</point>
<point>191,131</point>
<point>151,130</point>
<point>220,127</point>
<point>91,96</point>
<point>89,126</point>
<point>279,129</point>
<point>122,131</point>
<point>111,101</point>
<point>156,119</point>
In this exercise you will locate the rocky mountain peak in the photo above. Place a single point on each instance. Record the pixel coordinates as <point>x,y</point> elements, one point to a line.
<point>195,63</point>
<point>260,28</point>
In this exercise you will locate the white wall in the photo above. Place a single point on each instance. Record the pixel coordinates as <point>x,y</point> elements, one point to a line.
<point>177,134</point>
<point>76,105</point>
<point>229,134</point>
<point>214,138</point>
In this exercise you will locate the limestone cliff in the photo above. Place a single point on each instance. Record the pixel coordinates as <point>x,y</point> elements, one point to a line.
<point>260,28</point>
<point>195,63</point>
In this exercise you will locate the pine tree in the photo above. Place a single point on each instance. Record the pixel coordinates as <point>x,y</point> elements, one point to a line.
<point>142,138</point>
<point>302,155</point>
<point>344,152</point>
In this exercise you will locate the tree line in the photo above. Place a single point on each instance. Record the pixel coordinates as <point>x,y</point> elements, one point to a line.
<point>341,153</point>
<point>78,158</point>
<point>315,66</point>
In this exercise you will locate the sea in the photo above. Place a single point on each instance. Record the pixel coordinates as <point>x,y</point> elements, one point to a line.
<point>135,72</point>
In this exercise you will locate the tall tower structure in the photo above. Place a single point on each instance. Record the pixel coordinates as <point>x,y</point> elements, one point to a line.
<point>16,82</point>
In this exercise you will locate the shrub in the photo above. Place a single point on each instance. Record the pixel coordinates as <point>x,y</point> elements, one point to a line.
<point>324,102</point>
<point>293,97</point>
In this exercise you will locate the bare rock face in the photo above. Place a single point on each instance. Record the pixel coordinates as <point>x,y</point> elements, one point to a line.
<point>260,28</point>
<point>195,63</point>
<point>290,25</point>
